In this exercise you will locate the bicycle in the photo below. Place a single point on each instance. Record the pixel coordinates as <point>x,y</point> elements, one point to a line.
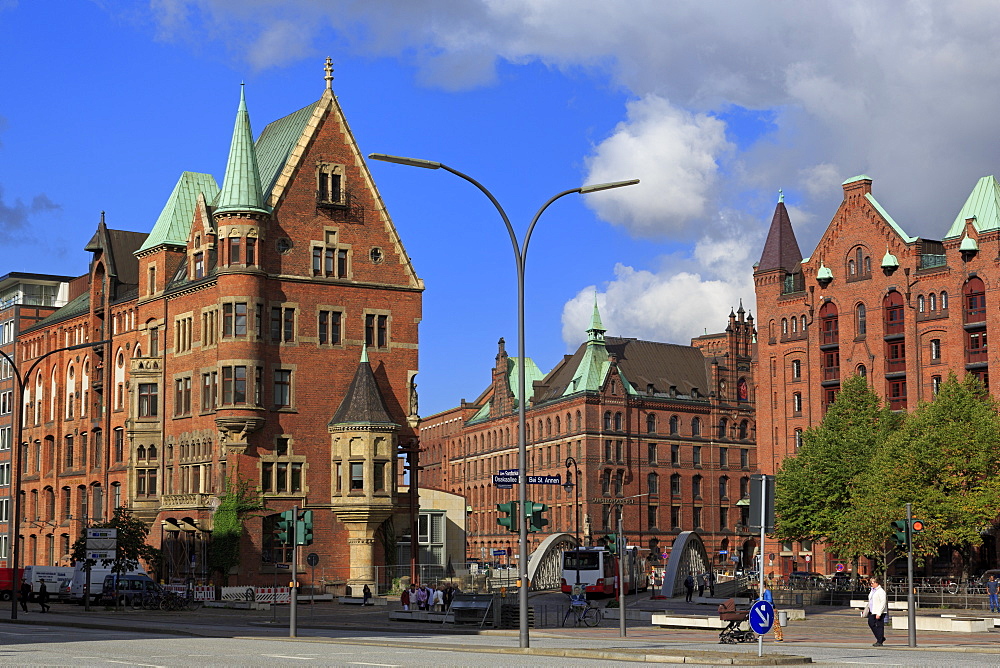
<point>588,614</point>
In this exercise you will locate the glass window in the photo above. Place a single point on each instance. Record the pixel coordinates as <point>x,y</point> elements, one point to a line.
<point>357,476</point>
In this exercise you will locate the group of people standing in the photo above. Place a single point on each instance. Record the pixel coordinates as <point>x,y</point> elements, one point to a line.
<point>42,597</point>
<point>422,597</point>
<point>706,579</point>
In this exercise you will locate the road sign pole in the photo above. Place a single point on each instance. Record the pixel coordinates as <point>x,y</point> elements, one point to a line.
<point>911,609</point>
<point>760,552</point>
<point>292,610</point>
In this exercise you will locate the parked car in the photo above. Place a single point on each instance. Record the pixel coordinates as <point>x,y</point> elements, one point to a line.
<point>64,589</point>
<point>128,587</point>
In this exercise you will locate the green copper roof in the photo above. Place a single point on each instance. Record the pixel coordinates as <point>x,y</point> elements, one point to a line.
<point>531,374</point>
<point>859,177</point>
<point>968,245</point>
<point>174,223</point>
<point>889,261</point>
<point>594,365</point>
<point>983,204</point>
<point>823,273</point>
<point>892,223</point>
<point>276,143</point>
<point>241,189</point>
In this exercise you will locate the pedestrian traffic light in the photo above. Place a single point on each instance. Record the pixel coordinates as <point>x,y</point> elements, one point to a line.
<point>512,521</point>
<point>534,515</point>
<point>304,528</point>
<point>286,527</point>
<point>916,526</point>
<point>611,543</point>
<point>900,533</point>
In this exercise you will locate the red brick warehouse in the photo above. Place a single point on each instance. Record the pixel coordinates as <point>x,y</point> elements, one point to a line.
<point>236,327</point>
<point>872,300</point>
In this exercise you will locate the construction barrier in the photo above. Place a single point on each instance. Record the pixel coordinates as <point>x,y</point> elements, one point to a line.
<point>201,593</point>
<point>258,594</point>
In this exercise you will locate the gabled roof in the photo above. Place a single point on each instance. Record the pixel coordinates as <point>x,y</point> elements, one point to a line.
<point>174,224</point>
<point>531,374</point>
<point>276,142</point>
<point>781,250</point>
<point>983,204</point>
<point>641,364</point>
<point>363,404</point>
<point>889,219</point>
<point>241,190</point>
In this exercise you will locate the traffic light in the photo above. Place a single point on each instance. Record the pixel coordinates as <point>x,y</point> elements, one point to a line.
<point>512,521</point>
<point>916,526</point>
<point>899,533</point>
<point>286,527</point>
<point>304,528</point>
<point>533,514</point>
<point>611,543</point>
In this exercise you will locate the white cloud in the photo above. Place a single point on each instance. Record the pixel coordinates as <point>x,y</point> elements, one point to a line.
<point>675,155</point>
<point>687,297</point>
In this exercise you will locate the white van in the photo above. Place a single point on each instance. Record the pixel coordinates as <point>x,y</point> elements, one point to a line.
<point>97,575</point>
<point>50,575</point>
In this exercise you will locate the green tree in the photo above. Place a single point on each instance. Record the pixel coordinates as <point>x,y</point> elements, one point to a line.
<point>132,547</point>
<point>814,490</point>
<point>240,501</point>
<point>945,461</point>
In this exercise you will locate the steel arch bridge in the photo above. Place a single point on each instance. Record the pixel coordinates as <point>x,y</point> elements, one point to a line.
<point>545,563</point>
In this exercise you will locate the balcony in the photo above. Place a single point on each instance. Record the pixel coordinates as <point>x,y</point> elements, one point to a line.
<point>975,355</point>
<point>897,365</point>
<point>975,316</point>
<point>829,338</point>
<point>831,373</point>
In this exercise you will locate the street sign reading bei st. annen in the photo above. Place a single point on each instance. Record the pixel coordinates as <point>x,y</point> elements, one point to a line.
<point>503,479</point>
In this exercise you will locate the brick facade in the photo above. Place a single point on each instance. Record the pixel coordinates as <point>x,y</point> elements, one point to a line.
<point>245,332</point>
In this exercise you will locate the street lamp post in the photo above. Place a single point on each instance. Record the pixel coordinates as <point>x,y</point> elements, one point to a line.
<point>520,255</point>
<point>568,485</point>
<point>15,458</point>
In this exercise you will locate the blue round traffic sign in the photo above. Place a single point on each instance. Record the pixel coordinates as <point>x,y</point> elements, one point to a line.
<point>761,617</point>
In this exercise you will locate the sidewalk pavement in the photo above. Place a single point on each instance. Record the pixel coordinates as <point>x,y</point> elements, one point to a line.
<point>823,627</point>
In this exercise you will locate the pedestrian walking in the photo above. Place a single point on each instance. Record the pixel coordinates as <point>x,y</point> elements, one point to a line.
<point>43,597</point>
<point>778,635</point>
<point>367,594</point>
<point>710,579</point>
<point>25,594</point>
<point>993,588</point>
<point>701,585</point>
<point>689,586</point>
<point>876,609</point>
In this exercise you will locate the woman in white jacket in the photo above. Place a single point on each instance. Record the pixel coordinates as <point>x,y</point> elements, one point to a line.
<point>878,605</point>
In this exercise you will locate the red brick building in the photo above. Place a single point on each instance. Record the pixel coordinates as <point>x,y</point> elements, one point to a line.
<point>237,329</point>
<point>871,299</point>
<point>660,422</point>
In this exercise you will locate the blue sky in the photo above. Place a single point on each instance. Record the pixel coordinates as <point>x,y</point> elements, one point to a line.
<point>714,105</point>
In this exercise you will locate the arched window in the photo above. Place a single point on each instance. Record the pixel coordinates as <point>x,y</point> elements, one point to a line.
<point>140,452</point>
<point>944,301</point>
<point>618,421</point>
<point>851,268</point>
<point>868,265</point>
<point>784,326</point>
<point>975,300</point>
<point>803,321</point>
<point>651,423</point>
<point>675,484</point>
<point>558,425</point>
<point>723,427</point>
<point>579,421</point>
<point>796,369</point>
<point>829,325</point>
<point>674,422</point>
<point>935,349</point>
<point>696,427</point>
<point>797,402</point>
<point>607,420</point>
<point>861,319</point>
<point>696,486</point>
<point>744,429</point>
<point>920,303</point>
<point>653,483</point>
<point>724,487</point>
<point>862,371</point>
<point>932,302</point>
<point>795,325</point>
<point>892,307</point>
<point>798,439</point>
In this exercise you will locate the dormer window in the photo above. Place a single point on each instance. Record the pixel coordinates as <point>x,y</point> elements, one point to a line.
<point>199,265</point>
<point>330,184</point>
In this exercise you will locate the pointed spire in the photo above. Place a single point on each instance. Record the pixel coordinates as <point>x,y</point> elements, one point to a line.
<point>363,404</point>
<point>241,189</point>
<point>781,196</point>
<point>781,250</point>
<point>596,332</point>
<point>328,68</point>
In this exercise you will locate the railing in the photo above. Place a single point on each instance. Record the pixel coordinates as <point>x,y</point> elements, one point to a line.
<point>793,283</point>
<point>831,373</point>
<point>975,355</point>
<point>928,261</point>
<point>975,315</point>
<point>829,337</point>
<point>895,365</point>
<point>897,403</point>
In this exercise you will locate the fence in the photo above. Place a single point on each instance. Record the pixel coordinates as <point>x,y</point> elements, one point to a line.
<point>928,592</point>
<point>200,593</point>
<point>471,577</point>
<point>257,594</point>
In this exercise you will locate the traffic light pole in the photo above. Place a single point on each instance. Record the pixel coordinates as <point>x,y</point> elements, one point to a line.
<point>294,589</point>
<point>911,610</point>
